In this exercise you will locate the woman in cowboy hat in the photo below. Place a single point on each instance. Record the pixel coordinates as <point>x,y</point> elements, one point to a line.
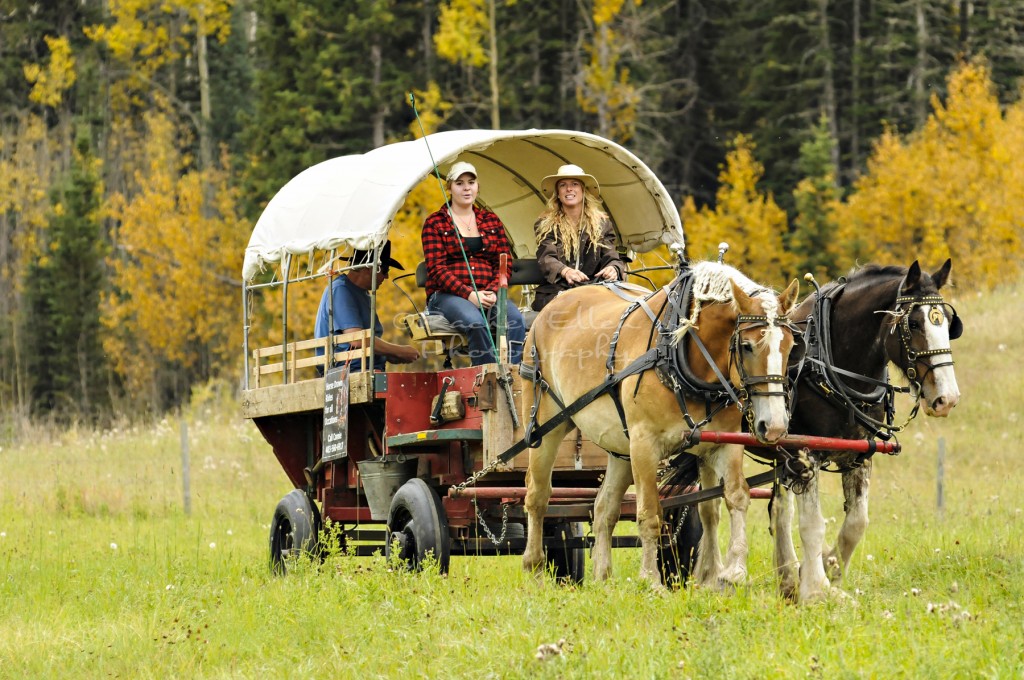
<point>462,243</point>
<point>575,237</point>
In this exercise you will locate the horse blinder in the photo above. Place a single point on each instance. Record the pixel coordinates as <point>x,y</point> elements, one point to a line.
<point>956,326</point>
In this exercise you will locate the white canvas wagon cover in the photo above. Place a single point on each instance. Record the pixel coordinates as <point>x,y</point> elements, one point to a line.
<point>352,200</point>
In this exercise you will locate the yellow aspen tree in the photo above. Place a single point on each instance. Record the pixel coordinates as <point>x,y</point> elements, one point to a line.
<point>949,189</point>
<point>50,82</point>
<point>467,34</point>
<point>605,89</point>
<point>461,32</point>
<point>26,173</point>
<point>144,36</point>
<point>143,33</point>
<point>175,270</point>
<point>749,221</point>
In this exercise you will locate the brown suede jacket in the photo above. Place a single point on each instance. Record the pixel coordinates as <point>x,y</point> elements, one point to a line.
<point>551,259</point>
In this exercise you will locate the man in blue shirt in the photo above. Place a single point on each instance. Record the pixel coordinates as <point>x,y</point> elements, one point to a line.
<point>351,298</point>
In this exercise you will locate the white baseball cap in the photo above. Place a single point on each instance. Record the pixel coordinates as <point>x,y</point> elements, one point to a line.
<point>459,169</point>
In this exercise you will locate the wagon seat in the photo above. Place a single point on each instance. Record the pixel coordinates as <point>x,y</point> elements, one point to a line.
<point>432,326</point>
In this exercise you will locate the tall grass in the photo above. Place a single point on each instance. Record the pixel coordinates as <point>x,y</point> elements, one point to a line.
<point>103,574</point>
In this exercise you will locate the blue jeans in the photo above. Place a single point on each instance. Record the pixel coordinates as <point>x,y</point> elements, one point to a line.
<point>466,317</point>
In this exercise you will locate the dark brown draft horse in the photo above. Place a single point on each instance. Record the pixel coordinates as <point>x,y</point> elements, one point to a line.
<point>855,329</point>
<point>712,330</point>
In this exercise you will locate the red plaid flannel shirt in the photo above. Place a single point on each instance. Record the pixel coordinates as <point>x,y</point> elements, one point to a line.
<point>446,270</point>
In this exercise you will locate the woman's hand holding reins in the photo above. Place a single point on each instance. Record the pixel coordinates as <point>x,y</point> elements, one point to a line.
<point>574,276</point>
<point>609,273</point>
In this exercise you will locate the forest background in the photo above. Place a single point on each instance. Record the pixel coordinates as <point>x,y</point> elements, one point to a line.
<point>140,139</point>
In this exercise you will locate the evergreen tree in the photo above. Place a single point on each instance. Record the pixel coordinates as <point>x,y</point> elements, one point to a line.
<point>994,29</point>
<point>811,241</point>
<point>331,79</point>
<point>63,290</point>
<point>769,81</point>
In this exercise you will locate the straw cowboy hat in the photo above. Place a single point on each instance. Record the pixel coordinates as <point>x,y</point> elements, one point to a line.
<point>547,185</point>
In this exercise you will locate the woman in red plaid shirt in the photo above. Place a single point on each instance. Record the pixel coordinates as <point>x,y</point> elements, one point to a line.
<point>450,289</point>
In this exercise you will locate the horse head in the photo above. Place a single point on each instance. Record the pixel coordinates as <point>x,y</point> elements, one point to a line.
<point>918,341</point>
<point>760,350</point>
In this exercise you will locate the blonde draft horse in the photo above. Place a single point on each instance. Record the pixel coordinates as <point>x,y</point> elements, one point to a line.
<point>572,338</point>
<point>880,316</point>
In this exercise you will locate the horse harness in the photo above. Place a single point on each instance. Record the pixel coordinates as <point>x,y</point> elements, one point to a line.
<point>669,361</point>
<point>818,370</point>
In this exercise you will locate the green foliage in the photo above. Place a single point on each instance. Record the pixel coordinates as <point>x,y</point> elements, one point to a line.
<point>63,289</point>
<point>331,80</point>
<point>812,239</point>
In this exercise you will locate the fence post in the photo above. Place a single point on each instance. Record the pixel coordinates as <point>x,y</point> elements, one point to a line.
<point>186,491</point>
<point>940,478</point>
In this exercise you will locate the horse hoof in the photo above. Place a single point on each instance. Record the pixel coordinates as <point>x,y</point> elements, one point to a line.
<point>533,565</point>
<point>789,589</point>
<point>832,568</point>
<point>725,586</point>
<point>839,595</point>
<point>814,597</point>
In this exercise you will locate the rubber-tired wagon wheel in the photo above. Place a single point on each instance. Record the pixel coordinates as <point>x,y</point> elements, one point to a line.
<point>676,561</point>
<point>418,526</point>
<point>295,529</point>
<point>568,564</point>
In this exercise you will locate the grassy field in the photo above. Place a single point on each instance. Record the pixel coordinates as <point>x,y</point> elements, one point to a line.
<point>102,574</point>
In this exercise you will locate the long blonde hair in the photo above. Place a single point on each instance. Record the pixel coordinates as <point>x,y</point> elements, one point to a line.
<point>554,221</point>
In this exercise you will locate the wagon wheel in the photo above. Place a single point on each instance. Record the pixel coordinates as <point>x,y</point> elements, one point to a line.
<point>294,529</point>
<point>418,526</point>
<point>568,564</point>
<point>676,560</point>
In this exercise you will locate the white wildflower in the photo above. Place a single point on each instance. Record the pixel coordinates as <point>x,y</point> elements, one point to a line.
<point>915,591</point>
<point>212,546</point>
<point>870,558</point>
<point>546,651</point>
<point>113,546</point>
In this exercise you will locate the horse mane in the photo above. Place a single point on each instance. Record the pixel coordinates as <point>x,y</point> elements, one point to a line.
<point>870,272</point>
<point>711,284</point>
